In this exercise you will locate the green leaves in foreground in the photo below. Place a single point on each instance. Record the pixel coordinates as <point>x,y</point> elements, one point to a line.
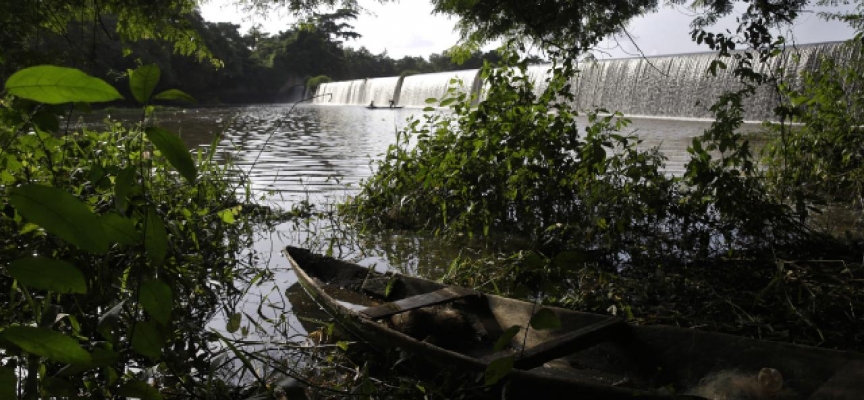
<point>139,389</point>
<point>174,151</point>
<point>46,343</point>
<point>8,382</point>
<point>506,337</point>
<point>147,339</point>
<point>174,94</point>
<point>57,85</point>
<point>61,214</point>
<point>44,273</point>
<point>157,299</point>
<point>498,369</point>
<point>234,321</point>
<point>143,80</point>
<point>155,237</point>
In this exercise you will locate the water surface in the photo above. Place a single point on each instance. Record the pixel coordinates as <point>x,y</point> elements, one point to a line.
<point>319,154</point>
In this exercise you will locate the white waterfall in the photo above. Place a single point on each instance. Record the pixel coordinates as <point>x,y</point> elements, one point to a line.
<point>380,90</point>
<point>666,86</point>
<point>345,92</point>
<point>417,88</point>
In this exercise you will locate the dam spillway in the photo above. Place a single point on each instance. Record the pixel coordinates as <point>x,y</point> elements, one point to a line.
<point>676,86</point>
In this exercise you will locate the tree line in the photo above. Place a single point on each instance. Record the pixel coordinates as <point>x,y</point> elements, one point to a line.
<point>231,67</point>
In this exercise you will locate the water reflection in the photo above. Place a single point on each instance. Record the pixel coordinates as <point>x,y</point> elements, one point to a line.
<point>313,153</point>
<point>319,154</point>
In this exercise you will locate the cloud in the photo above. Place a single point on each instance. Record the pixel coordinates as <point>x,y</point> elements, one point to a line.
<point>409,28</point>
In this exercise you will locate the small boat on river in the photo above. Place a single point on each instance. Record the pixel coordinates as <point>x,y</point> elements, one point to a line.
<point>589,356</point>
<point>384,108</point>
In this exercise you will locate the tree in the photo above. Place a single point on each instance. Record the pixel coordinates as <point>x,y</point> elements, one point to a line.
<point>34,21</point>
<point>574,27</point>
<point>562,24</point>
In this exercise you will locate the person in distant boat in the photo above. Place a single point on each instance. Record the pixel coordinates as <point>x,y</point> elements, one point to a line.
<point>372,104</point>
<point>392,103</point>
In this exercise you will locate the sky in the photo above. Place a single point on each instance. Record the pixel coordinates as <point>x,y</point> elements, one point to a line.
<point>408,28</point>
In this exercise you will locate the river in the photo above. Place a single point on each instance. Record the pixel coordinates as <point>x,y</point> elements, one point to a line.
<point>319,154</point>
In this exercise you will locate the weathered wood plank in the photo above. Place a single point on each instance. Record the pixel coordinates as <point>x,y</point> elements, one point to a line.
<point>419,301</point>
<point>565,345</point>
<point>848,383</point>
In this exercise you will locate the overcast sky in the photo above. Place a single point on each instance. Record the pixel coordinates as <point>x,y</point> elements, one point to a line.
<point>408,28</point>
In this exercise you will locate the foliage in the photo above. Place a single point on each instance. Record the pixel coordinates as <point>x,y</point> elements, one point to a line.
<point>851,18</point>
<point>517,163</point>
<point>821,161</point>
<point>600,215</point>
<point>115,247</point>
<point>35,21</point>
<point>316,81</point>
<point>726,190</point>
<point>562,24</point>
<point>302,6</point>
<point>243,68</point>
<point>815,303</point>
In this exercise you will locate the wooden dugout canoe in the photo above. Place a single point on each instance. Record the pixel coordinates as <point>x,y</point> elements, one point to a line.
<point>591,356</point>
<point>384,107</point>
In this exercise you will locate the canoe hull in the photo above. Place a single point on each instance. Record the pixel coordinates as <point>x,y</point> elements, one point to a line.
<point>652,358</point>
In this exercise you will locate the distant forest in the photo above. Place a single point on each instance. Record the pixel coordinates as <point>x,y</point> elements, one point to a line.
<point>255,67</point>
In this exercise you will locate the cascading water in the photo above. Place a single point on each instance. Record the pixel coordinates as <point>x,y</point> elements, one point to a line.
<point>346,92</point>
<point>681,86</point>
<point>380,90</point>
<point>667,86</point>
<point>539,74</point>
<point>417,88</point>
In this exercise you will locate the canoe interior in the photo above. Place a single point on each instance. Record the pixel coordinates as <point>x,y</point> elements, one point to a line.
<point>668,359</point>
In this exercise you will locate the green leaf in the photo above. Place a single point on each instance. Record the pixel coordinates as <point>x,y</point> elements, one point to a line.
<point>174,151</point>
<point>569,260</point>
<point>46,122</point>
<point>8,382</point>
<point>431,100</point>
<point>50,316</point>
<point>104,357</point>
<point>155,238</point>
<point>506,337</point>
<point>46,343</point>
<point>109,319</point>
<point>120,229</point>
<point>174,94</point>
<point>62,214</point>
<point>122,187</point>
<point>147,340</point>
<point>241,355</point>
<point>139,389</point>
<point>157,299</point>
<point>533,260</point>
<point>44,273</point>
<point>234,322</point>
<point>498,369</point>
<point>545,319</point>
<point>57,85</point>
<point>58,387</point>
<point>99,358</point>
<point>227,215</point>
<point>142,81</point>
